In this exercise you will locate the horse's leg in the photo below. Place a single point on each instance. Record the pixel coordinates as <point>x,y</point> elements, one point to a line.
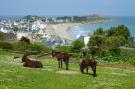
<point>58,63</point>
<point>66,62</point>
<point>66,65</point>
<point>81,68</point>
<point>87,70</point>
<point>94,70</point>
<point>61,63</point>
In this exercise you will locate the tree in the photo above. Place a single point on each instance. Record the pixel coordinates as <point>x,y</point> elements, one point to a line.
<point>77,46</point>
<point>15,29</point>
<point>98,41</point>
<point>122,32</point>
<point>110,40</point>
<point>99,31</point>
<point>113,43</point>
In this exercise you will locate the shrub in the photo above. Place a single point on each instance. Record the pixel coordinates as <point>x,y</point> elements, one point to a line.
<point>6,45</point>
<point>77,46</point>
<point>17,46</point>
<point>66,49</point>
<point>132,61</point>
<point>39,47</point>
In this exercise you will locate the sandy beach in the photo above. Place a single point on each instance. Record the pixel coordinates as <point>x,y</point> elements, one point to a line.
<point>61,29</point>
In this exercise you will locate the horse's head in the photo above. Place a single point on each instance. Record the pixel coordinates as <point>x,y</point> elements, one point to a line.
<point>24,58</point>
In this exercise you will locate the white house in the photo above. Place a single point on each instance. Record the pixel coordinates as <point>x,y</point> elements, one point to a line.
<point>38,24</point>
<point>5,29</point>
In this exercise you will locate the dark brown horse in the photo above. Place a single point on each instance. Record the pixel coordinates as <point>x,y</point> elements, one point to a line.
<point>31,63</point>
<point>86,63</point>
<point>61,57</point>
<point>25,39</point>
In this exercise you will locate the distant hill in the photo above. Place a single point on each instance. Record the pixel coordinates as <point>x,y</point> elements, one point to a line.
<point>80,19</point>
<point>67,19</point>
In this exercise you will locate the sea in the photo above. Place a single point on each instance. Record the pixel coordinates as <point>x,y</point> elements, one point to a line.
<point>87,30</point>
<point>12,17</point>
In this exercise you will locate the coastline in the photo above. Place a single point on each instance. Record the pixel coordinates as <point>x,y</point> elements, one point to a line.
<point>62,29</point>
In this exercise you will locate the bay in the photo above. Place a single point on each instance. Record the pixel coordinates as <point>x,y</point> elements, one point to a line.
<point>85,30</point>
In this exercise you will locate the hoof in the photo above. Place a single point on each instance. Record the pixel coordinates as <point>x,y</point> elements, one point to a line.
<point>82,72</point>
<point>94,75</point>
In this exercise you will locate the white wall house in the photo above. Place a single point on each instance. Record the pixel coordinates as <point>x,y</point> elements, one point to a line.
<point>5,30</point>
<point>38,24</point>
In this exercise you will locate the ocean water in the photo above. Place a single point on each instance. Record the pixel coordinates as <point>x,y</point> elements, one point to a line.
<point>86,30</point>
<point>6,17</point>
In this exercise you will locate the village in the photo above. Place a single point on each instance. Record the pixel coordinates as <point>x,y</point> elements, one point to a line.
<point>37,30</point>
<point>47,30</point>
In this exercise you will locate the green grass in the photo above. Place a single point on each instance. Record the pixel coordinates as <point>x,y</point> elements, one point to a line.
<point>127,53</point>
<point>14,76</point>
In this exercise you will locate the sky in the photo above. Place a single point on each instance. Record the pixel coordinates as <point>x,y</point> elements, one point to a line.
<point>67,7</point>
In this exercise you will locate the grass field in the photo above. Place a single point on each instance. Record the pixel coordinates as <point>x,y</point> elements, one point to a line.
<point>14,76</point>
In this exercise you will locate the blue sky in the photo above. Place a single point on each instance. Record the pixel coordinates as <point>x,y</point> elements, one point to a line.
<point>68,7</point>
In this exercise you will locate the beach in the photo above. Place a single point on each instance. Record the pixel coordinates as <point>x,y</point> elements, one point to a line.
<point>61,30</point>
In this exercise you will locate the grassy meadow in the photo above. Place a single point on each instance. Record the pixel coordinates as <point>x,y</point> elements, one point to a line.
<point>14,76</point>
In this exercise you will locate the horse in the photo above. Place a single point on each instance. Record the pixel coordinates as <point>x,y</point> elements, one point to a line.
<point>31,63</point>
<point>61,57</point>
<point>25,39</point>
<point>86,63</point>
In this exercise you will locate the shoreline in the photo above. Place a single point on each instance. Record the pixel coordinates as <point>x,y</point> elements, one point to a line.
<point>62,29</point>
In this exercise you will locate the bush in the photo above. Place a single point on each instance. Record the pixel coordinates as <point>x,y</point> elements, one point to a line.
<point>31,47</point>
<point>77,46</point>
<point>6,45</point>
<point>66,49</point>
<point>39,47</point>
<point>17,46</point>
<point>132,61</point>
